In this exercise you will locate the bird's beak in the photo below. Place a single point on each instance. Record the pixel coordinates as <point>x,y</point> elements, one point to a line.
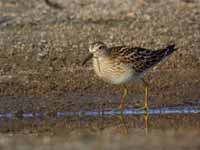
<point>87,59</point>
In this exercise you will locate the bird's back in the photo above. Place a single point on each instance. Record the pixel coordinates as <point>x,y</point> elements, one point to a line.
<point>140,59</point>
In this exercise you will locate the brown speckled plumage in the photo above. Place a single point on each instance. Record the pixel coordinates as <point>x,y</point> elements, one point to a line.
<point>141,59</point>
<point>121,64</point>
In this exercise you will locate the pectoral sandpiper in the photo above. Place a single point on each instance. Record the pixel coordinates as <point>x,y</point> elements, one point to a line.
<point>122,64</point>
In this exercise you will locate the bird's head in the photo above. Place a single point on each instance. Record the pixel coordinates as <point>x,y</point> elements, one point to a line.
<point>97,49</point>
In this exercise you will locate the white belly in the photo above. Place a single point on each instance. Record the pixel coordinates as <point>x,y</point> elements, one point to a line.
<point>111,72</point>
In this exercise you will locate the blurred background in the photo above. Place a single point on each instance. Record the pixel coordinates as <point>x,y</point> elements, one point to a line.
<point>42,45</point>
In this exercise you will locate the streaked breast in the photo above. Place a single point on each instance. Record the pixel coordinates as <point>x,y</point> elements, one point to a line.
<point>112,71</point>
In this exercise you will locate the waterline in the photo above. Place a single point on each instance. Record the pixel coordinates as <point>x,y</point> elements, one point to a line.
<point>127,112</point>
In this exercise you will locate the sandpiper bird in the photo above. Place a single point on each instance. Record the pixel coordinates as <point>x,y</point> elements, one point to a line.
<point>122,64</point>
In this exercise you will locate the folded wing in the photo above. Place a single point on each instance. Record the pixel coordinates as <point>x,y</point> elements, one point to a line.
<point>140,58</point>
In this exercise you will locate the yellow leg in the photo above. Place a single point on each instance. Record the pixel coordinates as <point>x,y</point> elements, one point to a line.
<point>146,106</point>
<point>125,93</point>
<point>122,107</point>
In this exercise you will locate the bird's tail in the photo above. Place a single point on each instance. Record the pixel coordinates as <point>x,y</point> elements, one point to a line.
<point>169,50</point>
<point>156,56</point>
<point>163,53</point>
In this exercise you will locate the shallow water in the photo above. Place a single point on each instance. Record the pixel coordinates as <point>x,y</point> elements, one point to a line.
<point>68,123</point>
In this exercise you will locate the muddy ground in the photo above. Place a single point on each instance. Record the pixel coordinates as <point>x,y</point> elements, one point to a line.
<point>41,50</point>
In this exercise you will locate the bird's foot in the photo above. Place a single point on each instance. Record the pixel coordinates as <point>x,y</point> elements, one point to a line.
<point>120,108</point>
<point>145,108</point>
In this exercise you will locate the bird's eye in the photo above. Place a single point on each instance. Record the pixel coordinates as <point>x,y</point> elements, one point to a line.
<point>101,47</point>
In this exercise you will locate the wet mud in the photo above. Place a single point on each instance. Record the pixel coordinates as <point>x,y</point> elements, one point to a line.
<point>41,50</point>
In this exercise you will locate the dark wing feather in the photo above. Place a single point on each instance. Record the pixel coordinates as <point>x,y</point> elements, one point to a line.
<point>140,58</point>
